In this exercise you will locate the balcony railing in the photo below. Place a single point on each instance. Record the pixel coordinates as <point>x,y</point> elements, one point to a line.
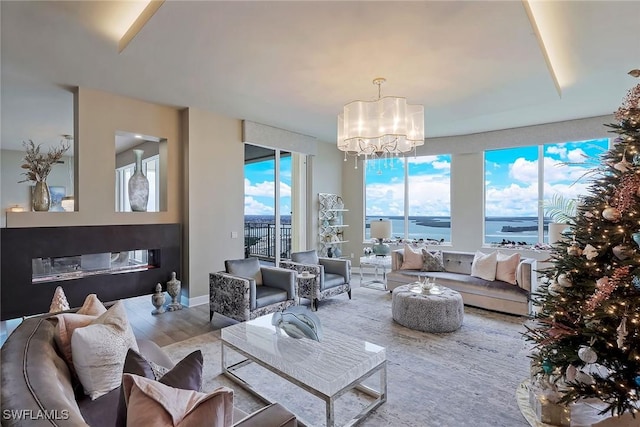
<point>259,240</point>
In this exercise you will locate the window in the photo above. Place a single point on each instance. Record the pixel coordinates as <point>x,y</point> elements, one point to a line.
<point>517,186</point>
<point>413,192</point>
<point>150,168</point>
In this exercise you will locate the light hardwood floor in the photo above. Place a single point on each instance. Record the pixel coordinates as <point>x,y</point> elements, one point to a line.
<point>169,327</point>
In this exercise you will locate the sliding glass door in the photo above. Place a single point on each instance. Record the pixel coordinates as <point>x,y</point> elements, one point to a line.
<point>268,185</point>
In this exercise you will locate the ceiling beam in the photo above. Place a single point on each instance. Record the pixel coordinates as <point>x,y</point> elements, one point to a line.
<point>543,48</point>
<point>140,22</point>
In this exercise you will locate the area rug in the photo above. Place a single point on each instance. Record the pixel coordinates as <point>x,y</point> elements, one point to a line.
<point>463,378</point>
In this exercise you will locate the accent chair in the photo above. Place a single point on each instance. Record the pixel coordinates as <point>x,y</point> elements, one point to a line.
<point>332,275</point>
<point>246,290</point>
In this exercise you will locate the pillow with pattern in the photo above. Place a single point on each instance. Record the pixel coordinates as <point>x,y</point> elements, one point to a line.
<point>432,261</point>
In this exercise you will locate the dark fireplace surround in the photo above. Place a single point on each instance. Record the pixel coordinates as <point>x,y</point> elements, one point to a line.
<point>20,297</point>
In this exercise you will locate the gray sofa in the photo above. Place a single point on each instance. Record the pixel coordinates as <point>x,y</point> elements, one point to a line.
<point>493,295</point>
<point>36,385</point>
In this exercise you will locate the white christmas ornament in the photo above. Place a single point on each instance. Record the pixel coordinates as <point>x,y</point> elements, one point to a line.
<point>570,373</point>
<point>564,280</point>
<point>583,378</point>
<point>622,332</point>
<point>554,289</point>
<point>587,355</point>
<point>589,252</point>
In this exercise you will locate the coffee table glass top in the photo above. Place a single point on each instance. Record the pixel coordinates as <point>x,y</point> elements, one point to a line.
<point>326,366</point>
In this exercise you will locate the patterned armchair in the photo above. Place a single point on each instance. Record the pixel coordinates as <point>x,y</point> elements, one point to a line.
<point>247,290</point>
<point>332,275</point>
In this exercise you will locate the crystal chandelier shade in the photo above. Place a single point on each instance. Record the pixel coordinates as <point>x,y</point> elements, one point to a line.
<point>386,126</point>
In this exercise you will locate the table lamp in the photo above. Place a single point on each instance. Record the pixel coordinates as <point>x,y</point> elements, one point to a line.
<point>381,229</point>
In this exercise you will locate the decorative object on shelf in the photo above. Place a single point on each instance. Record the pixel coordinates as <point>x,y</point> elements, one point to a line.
<point>59,302</point>
<point>56,194</point>
<point>380,230</point>
<point>298,322</point>
<point>337,252</point>
<point>38,167</point>
<point>330,224</point>
<point>138,186</point>
<point>381,128</point>
<point>330,252</point>
<point>174,288</point>
<point>40,197</point>
<point>157,299</point>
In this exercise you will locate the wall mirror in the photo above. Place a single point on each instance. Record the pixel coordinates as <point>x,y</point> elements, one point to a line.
<point>141,172</point>
<point>42,113</point>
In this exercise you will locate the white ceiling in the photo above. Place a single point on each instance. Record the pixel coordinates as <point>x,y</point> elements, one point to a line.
<point>474,65</point>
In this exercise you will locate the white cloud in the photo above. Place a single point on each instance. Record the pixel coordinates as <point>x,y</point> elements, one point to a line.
<point>558,149</point>
<point>524,170</point>
<point>265,189</point>
<point>254,207</point>
<point>577,156</point>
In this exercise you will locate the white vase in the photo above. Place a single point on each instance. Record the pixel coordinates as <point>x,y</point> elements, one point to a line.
<point>138,186</point>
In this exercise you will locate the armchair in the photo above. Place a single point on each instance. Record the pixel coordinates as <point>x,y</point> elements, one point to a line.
<point>332,275</point>
<point>246,290</point>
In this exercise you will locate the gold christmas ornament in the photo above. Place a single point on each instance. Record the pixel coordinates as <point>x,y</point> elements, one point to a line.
<point>623,165</point>
<point>623,251</point>
<point>574,249</point>
<point>611,214</point>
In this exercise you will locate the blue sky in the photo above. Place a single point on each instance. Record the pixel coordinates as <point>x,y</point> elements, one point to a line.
<point>511,179</point>
<point>259,188</point>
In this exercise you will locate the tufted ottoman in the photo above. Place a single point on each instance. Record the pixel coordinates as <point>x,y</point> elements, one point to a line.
<point>427,312</point>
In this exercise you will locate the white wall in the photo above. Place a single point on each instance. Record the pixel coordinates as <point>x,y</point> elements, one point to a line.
<point>213,197</point>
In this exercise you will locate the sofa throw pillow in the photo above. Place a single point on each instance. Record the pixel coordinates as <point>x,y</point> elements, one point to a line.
<point>151,403</point>
<point>507,267</point>
<point>432,261</point>
<point>99,350</point>
<point>69,322</point>
<point>484,265</point>
<point>411,258</point>
<point>186,375</point>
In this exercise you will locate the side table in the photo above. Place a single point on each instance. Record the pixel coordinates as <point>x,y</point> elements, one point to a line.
<point>377,262</point>
<point>305,282</point>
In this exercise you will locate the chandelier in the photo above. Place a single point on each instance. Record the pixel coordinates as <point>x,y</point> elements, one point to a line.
<point>382,128</point>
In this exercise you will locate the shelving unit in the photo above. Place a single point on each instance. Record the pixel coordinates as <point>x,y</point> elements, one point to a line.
<point>331,224</point>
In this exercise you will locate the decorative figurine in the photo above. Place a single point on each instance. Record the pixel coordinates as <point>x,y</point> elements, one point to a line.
<point>174,288</point>
<point>157,299</point>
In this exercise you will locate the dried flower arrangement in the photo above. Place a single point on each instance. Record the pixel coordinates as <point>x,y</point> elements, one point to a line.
<point>39,165</point>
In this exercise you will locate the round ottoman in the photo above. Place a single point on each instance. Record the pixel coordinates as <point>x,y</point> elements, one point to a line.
<point>427,312</point>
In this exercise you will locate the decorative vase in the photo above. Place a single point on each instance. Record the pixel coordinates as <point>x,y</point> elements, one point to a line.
<point>337,252</point>
<point>138,186</point>
<point>157,299</point>
<point>41,197</point>
<point>174,287</point>
<point>330,252</point>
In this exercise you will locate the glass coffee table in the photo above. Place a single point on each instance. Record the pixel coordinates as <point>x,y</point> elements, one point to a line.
<point>327,369</point>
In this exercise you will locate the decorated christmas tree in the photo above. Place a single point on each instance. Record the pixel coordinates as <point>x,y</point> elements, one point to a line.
<point>586,330</point>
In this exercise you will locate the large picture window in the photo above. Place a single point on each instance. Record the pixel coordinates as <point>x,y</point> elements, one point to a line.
<point>518,186</point>
<point>412,192</point>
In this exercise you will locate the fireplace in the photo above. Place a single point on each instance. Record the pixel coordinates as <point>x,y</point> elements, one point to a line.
<point>113,261</point>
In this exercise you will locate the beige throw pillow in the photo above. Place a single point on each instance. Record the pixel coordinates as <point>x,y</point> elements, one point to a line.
<point>506,268</point>
<point>150,403</point>
<point>99,350</point>
<point>484,265</point>
<point>69,322</point>
<point>412,258</point>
